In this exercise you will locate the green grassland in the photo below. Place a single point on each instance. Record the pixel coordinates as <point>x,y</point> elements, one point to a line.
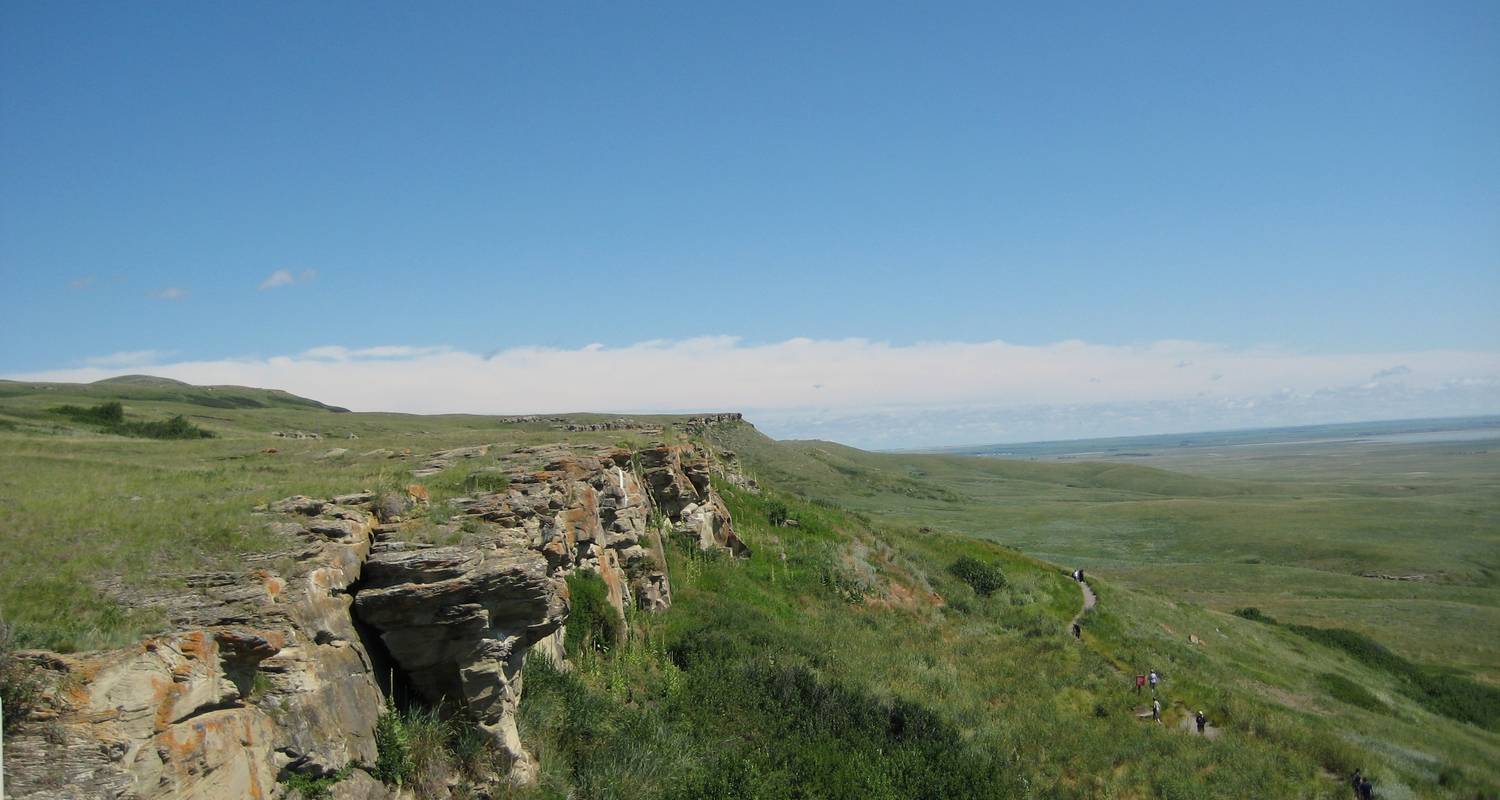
<point>1279,528</point>
<point>846,658</point>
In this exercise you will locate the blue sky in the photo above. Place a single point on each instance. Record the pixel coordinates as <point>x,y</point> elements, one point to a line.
<point>1319,179</point>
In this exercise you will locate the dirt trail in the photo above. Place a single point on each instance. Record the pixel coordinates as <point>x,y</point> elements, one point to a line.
<point>1089,601</point>
<point>1190,725</point>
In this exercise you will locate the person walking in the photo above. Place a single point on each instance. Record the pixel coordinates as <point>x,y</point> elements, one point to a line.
<point>1201,720</point>
<point>1366,790</point>
<point>1153,679</point>
<point>1077,631</point>
<point>1156,711</point>
<point>1354,781</point>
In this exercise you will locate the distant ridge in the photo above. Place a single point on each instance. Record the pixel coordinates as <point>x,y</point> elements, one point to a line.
<point>151,387</point>
<point>138,380</point>
<point>1221,438</point>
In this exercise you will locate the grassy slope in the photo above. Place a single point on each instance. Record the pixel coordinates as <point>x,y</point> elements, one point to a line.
<point>765,680</point>
<point>1213,539</point>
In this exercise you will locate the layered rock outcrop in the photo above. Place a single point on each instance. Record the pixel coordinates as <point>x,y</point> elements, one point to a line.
<point>459,621</point>
<point>280,669</point>
<point>265,674</point>
<point>679,478</point>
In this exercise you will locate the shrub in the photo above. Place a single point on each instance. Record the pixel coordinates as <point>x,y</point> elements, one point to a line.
<point>1453,696</point>
<point>176,427</point>
<point>111,417</point>
<point>111,413</point>
<point>1254,614</point>
<point>777,513</point>
<point>984,578</point>
<point>1345,690</point>
<point>847,587</point>
<point>393,763</point>
<point>593,624</point>
<point>311,788</point>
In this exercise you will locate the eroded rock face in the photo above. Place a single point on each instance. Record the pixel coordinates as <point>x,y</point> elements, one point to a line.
<point>160,719</point>
<point>679,480</point>
<point>587,511</point>
<point>459,620</point>
<point>266,674</point>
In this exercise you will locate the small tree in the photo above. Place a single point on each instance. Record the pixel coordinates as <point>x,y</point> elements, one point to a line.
<point>777,513</point>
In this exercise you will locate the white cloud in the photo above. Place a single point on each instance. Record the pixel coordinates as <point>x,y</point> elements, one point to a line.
<point>127,358</point>
<point>284,277</point>
<point>878,394</point>
<point>79,284</point>
<point>337,353</point>
<point>170,293</point>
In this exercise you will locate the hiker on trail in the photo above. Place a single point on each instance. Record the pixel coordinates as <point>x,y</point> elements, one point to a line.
<point>1153,679</point>
<point>1354,781</point>
<point>1366,791</point>
<point>1080,576</point>
<point>1156,711</point>
<point>1201,720</point>
<point>1077,631</point>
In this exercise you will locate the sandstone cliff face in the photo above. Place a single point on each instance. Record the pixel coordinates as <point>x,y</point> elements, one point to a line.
<point>279,671</point>
<point>459,620</point>
<point>679,480</point>
<point>264,674</point>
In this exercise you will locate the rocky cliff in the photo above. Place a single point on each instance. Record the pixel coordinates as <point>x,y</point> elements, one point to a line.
<point>285,669</point>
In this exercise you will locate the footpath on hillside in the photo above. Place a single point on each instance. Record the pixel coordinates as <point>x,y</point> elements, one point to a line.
<point>1188,724</point>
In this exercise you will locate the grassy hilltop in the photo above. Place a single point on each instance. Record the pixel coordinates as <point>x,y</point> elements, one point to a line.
<point>848,657</point>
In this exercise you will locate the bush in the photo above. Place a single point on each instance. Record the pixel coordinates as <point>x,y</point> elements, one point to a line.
<point>174,428</point>
<point>393,764</point>
<point>984,578</point>
<point>1254,614</point>
<point>111,413</point>
<point>777,513</point>
<point>111,417</point>
<point>593,624</point>
<point>311,788</point>
<point>1453,696</point>
<point>1345,690</point>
